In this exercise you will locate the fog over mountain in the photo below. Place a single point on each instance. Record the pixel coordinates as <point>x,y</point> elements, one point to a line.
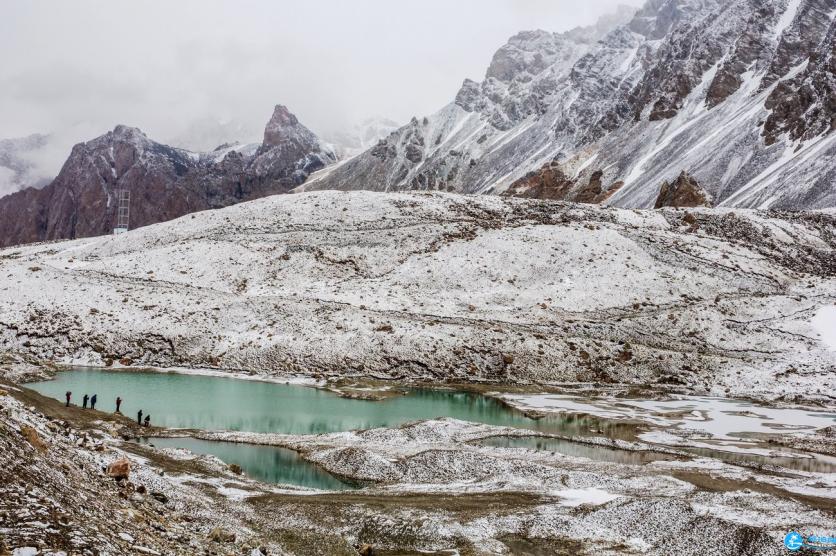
<point>173,68</point>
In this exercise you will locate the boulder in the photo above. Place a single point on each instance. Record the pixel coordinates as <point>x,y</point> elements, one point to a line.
<point>119,469</point>
<point>32,436</point>
<point>221,535</point>
<point>683,192</point>
<point>159,497</point>
<point>365,549</point>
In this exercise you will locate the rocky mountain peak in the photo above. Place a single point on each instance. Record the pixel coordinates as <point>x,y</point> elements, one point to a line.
<point>290,151</point>
<point>526,52</point>
<point>125,132</point>
<point>657,18</point>
<point>282,123</point>
<point>165,182</point>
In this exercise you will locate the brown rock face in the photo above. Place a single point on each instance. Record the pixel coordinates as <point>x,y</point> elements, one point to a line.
<point>684,192</point>
<point>164,182</point>
<point>551,183</point>
<point>119,469</point>
<point>275,132</point>
<point>593,193</point>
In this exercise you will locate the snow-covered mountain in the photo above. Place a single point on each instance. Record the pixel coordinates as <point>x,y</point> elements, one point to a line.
<point>164,182</point>
<point>361,136</point>
<point>17,167</point>
<point>740,94</point>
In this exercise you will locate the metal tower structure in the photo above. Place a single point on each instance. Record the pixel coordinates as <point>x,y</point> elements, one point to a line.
<point>123,211</point>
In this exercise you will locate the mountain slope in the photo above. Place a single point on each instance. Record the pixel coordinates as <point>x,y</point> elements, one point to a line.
<point>441,286</point>
<point>164,182</point>
<point>738,93</point>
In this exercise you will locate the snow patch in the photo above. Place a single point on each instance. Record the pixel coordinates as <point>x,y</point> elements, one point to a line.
<point>825,324</point>
<point>592,496</point>
<point>787,17</point>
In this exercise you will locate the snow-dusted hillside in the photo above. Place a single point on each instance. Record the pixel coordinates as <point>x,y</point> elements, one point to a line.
<point>738,93</point>
<point>441,286</point>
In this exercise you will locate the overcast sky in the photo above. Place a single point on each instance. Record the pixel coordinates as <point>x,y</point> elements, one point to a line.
<point>76,68</point>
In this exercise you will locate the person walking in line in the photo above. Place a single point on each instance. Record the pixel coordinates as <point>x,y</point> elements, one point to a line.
<point>93,401</point>
<point>118,404</point>
<point>84,401</point>
<point>148,420</point>
<point>139,417</point>
<point>69,395</point>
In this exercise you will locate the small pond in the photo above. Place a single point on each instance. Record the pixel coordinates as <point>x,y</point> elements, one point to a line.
<point>269,464</point>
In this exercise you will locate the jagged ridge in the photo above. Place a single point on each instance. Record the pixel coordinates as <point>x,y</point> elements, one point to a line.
<point>739,93</point>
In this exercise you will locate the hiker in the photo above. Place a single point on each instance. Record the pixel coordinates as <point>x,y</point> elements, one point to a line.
<point>139,417</point>
<point>118,404</point>
<point>147,420</point>
<point>69,395</point>
<point>84,401</point>
<point>93,402</point>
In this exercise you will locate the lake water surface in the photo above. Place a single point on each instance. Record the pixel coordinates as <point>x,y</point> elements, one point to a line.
<point>204,402</point>
<point>219,403</point>
<point>269,464</point>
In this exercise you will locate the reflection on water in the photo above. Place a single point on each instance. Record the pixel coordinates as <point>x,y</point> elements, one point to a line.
<point>576,449</point>
<point>269,464</point>
<point>817,463</point>
<point>218,403</point>
<point>813,462</point>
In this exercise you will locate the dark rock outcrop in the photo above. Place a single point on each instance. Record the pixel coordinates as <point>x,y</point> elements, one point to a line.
<point>805,106</point>
<point>551,183</point>
<point>164,182</point>
<point>683,192</point>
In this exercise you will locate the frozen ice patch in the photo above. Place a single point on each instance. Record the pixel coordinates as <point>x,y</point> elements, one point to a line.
<point>715,418</point>
<point>731,419</point>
